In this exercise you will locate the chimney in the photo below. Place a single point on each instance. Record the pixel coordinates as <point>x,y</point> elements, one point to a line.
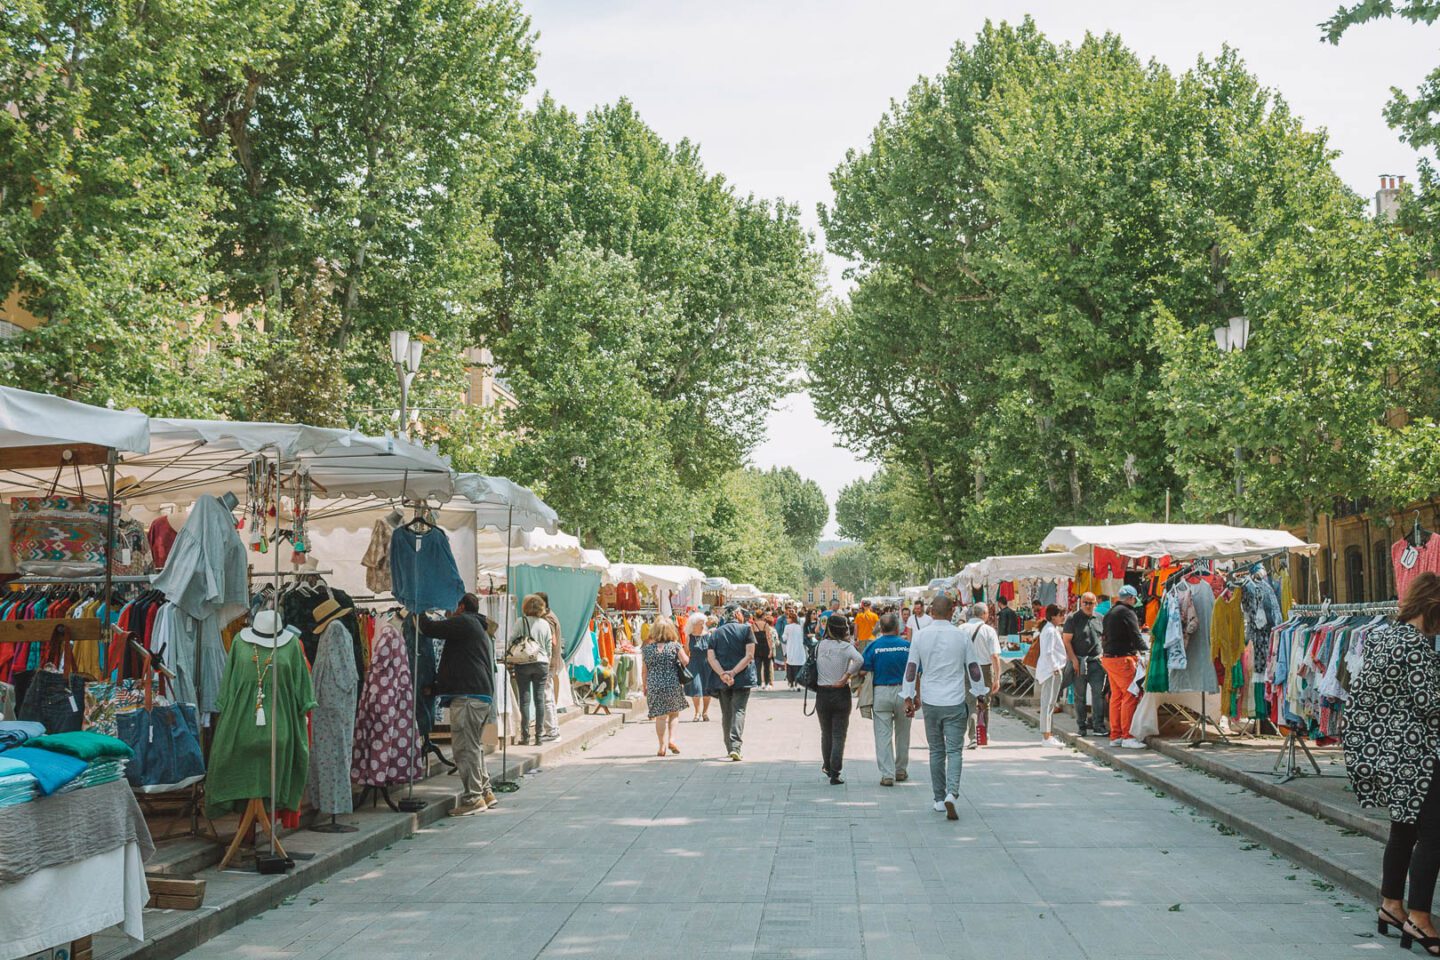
<point>1387,198</point>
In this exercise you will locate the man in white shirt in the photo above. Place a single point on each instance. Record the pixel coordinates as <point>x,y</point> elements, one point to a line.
<point>917,621</point>
<point>987,651</point>
<point>941,671</point>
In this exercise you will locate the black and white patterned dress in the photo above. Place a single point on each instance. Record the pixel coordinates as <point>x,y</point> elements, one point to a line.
<point>663,693</point>
<point>1392,722</point>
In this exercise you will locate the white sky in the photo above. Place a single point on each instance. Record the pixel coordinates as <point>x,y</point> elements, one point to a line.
<point>776,92</point>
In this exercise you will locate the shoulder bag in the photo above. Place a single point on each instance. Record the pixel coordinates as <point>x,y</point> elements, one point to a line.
<point>524,648</point>
<point>682,672</point>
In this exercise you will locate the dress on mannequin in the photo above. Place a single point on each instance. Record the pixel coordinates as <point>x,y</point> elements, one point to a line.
<point>332,726</point>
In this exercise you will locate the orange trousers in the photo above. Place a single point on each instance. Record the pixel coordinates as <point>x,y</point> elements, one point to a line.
<point>1121,671</point>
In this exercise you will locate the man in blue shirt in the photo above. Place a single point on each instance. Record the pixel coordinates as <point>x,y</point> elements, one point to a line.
<point>732,667</point>
<point>885,658</point>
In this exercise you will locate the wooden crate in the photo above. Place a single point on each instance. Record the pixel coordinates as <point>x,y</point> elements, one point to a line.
<point>82,949</point>
<point>175,893</point>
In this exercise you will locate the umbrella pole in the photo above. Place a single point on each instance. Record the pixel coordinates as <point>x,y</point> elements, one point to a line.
<point>505,785</point>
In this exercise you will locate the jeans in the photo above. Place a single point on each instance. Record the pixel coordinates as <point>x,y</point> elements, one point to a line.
<point>530,686</point>
<point>764,671</point>
<point>732,716</point>
<point>468,717</point>
<point>552,716</point>
<point>892,731</point>
<point>945,731</point>
<point>1414,848</point>
<point>1049,691</point>
<point>971,731</point>
<point>1089,686</point>
<point>832,707</point>
<point>1121,671</point>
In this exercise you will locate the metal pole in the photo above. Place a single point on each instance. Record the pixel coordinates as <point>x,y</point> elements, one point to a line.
<point>504,785</point>
<point>404,401</point>
<point>109,547</point>
<point>275,662</point>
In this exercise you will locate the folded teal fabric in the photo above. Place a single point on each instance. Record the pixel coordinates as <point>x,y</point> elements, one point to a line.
<point>52,770</point>
<point>85,745</point>
<point>10,767</point>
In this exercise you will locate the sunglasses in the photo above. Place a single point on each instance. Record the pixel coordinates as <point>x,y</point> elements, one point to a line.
<point>1087,603</point>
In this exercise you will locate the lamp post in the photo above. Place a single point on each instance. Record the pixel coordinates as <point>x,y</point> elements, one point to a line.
<point>1233,338</point>
<point>405,353</point>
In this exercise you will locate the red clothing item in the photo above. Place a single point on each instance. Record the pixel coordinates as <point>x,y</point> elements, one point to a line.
<point>1006,591</point>
<point>1428,559</point>
<point>1108,564</point>
<point>627,597</point>
<point>162,537</point>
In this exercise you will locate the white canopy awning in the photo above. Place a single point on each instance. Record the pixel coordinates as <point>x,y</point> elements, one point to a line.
<point>743,591</point>
<point>969,575</point>
<point>501,503</point>
<point>1182,541</point>
<point>37,419</point>
<point>534,547</point>
<point>1028,566</point>
<point>657,576</point>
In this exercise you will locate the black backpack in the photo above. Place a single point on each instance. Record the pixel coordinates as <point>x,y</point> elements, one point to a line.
<point>809,676</point>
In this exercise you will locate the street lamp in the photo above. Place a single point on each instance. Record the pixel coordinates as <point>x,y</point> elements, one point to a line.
<point>405,353</point>
<point>1233,338</point>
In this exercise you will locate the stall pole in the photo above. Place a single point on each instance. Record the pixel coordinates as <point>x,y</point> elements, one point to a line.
<point>504,785</point>
<point>411,803</point>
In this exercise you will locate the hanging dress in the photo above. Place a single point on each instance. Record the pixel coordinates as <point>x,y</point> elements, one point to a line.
<point>239,767</point>
<point>386,741</point>
<point>332,725</point>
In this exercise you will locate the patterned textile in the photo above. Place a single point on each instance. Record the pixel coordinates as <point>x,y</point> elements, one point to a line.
<point>104,701</point>
<point>387,746</point>
<point>65,536</point>
<point>332,723</point>
<point>1392,730</point>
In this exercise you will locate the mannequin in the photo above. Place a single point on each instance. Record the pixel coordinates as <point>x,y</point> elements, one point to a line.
<point>264,697</point>
<point>333,723</point>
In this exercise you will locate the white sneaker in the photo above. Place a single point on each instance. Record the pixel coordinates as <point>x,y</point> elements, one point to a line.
<point>1116,743</point>
<point>1051,742</point>
<point>1130,743</point>
<point>939,806</point>
<point>949,803</point>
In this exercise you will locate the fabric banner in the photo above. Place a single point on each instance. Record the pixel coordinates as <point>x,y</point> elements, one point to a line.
<point>572,595</point>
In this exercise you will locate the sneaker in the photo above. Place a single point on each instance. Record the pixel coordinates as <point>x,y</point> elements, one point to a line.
<point>735,755</point>
<point>490,800</point>
<point>887,781</point>
<point>1130,743</point>
<point>901,776</point>
<point>550,738</point>
<point>949,803</point>
<point>469,809</point>
<point>836,780</point>
<point>973,744</point>
<point>939,806</point>
<point>1051,742</point>
<point>1116,742</point>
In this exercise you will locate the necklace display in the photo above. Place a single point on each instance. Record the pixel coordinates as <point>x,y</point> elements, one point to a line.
<point>260,675</point>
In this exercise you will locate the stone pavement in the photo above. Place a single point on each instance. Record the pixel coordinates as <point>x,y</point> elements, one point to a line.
<point>618,853</point>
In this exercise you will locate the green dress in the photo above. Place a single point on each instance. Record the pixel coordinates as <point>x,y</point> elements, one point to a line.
<point>240,753</point>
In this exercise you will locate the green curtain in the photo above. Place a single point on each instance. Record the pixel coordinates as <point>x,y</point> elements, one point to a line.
<point>572,596</point>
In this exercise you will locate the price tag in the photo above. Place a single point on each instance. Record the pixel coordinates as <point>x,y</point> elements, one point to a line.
<point>1409,557</point>
<point>71,698</point>
<point>125,556</point>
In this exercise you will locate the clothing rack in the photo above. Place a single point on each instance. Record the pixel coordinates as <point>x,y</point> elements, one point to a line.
<point>1287,764</point>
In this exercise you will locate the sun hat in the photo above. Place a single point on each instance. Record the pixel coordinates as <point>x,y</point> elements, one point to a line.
<point>327,613</point>
<point>265,627</point>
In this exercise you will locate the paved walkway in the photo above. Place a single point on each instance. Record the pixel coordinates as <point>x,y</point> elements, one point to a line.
<point>621,854</point>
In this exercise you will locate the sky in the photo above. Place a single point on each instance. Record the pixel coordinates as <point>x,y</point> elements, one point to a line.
<point>775,92</point>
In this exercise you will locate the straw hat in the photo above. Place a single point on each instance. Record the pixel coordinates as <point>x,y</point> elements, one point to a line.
<point>328,612</point>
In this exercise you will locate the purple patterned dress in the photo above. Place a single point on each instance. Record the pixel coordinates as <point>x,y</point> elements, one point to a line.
<point>387,748</point>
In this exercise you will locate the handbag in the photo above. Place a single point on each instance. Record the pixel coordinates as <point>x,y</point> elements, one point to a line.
<point>106,699</point>
<point>65,537</point>
<point>166,739</point>
<point>524,648</point>
<point>683,673</point>
<point>54,696</point>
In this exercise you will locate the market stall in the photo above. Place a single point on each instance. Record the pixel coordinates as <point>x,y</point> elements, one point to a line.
<point>71,863</point>
<point>1211,595</point>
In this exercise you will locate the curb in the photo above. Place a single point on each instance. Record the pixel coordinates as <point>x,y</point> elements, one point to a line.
<point>1362,885</point>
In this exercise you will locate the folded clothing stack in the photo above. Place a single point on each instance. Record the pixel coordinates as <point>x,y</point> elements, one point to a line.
<point>17,784</point>
<point>15,732</point>
<point>82,758</point>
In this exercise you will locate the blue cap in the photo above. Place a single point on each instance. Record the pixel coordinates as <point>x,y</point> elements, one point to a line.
<point>1129,591</point>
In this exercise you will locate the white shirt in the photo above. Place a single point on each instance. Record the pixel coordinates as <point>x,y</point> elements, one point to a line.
<point>944,657</point>
<point>794,644</point>
<point>1052,652</point>
<point>913,627</point>
<point>695,624</point>
<point>986,640</point>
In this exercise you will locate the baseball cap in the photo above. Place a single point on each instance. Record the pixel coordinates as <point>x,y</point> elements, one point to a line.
<point>1129,591</point>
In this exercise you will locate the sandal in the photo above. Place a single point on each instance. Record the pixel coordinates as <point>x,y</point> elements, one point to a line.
<point>674,749</point>
<point>1385,920</point>
<point>661,753</point>
<point>1430,945</point>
